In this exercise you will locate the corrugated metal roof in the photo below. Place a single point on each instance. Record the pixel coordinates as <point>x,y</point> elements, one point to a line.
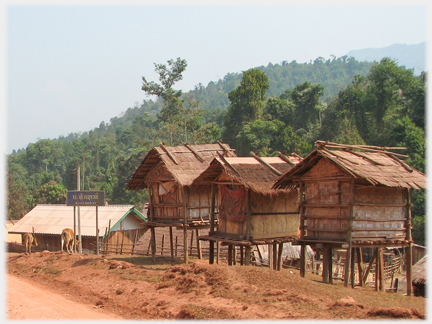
<point>52,219</point>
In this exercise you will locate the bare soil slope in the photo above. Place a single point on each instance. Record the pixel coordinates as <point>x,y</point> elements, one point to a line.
<point>136,288</point>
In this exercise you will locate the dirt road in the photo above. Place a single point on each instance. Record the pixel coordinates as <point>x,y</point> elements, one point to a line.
<point>28,301</point>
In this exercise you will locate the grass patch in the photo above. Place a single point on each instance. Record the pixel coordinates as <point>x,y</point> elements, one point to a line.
<point>192,311</point>
<point>52,270</point>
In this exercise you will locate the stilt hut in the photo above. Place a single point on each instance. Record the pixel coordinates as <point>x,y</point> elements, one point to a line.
<point>167,172</point>
<point>355,196</point>
<point>250,212</point>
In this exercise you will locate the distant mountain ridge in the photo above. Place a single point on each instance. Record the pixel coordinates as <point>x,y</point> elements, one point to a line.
<point>410,56</point>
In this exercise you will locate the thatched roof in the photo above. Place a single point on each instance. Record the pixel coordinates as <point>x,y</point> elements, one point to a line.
<point>183,162</point>
<point>374,165</point>
<point>419,271</point>
<point>256,173</point>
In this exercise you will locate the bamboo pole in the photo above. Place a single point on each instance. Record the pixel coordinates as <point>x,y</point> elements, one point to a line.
<point>185,235</point>
<point>198,243</point>
<point>349,235</point>
<point>212,227</point>
<point>171,242</point>
<point>280,258</point>
<point>410,246</point>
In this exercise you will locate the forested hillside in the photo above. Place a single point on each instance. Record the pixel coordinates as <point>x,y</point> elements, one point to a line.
<point>281,107</point>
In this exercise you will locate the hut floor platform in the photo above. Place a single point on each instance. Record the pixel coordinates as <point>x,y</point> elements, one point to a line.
<point>230,240</point>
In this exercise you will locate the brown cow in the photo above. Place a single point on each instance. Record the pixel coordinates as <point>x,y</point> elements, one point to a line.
<point>67,239</point>
<point>29,239</point>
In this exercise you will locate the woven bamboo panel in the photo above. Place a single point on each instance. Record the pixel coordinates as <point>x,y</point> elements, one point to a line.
<point>275,225</point>
<point>324,168</point>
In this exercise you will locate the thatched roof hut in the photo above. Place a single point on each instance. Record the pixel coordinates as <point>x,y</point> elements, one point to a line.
<point>250,210</point>
<point>167,172</point>
<point>354,195</point>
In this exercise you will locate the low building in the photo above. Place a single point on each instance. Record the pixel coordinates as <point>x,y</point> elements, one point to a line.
<point>117,224</point>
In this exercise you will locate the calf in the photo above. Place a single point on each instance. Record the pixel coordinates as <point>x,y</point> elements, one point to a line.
<point>67,239</point>
<point>29,239</point>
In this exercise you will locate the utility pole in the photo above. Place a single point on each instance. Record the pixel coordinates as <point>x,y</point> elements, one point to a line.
<point>78,207</point>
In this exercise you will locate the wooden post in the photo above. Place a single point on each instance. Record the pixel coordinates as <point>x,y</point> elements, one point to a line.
<point>234,255</point>
<point>212,227</point>
<point>153,243</point>
<point>191,242</point>
<point>275,255</point>
<point>163,243</point>
<point>270,256</point>
<point>349,235</point>
<point>377,266</point>
<point>134,241</point>
<point>176,245</point>
<point>381,270</point>
<point>230,253</point>
<point>369,267</point>
<point>330,265</point>
<point>249,215</point>
<point>280,257</point>
<point>326,267</point>
<point>171,243</point>
<point>360,265</point>
<point>248,251</point>
<point>353,267</point>
<point>302,259</point>
<point>97,231</point>
<point>198,243</point>
<point>241,255</point>
<point>185,247</point>
<point>122,242</point>
<point>217,252</point>
<point>409,254</point>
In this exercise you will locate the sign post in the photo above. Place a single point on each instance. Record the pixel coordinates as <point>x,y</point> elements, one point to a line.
<point>87,198</point>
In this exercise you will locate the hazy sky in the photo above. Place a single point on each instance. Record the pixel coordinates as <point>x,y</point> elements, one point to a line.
<point>70,67</point>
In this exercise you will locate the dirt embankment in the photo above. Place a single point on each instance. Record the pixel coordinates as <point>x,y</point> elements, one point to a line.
<point>137,288</point>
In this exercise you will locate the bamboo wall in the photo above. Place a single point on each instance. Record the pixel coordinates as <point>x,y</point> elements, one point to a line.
<point>171,206</point>
<point>378,212</point>
<point>271,217</point>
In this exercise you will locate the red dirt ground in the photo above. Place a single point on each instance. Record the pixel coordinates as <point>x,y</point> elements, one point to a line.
<point>131,287</point>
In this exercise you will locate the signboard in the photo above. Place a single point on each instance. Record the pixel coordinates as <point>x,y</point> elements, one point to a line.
<point>85,198</point>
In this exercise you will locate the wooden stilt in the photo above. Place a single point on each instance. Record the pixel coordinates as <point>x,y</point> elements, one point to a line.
<point>353,267</point>
<point>347,266</point>
<point>248,251</point>
<point>185,248</point>
<point>212,228</point>
<point>360,266</point>
<point>270,255</point>
<point>369,267</point>
<point>330,265</point>
<point>230,253</point>
<point>409,269</point>
<point>275,255</point>
<point>241,255</point>
<point>234,255</point>
<point>303,260</point>
<point>381,270</point>
<point>163,243</point>
<point>191,242</point>
<point>326,267</point>
<point>198,243</point>
<point>377,266</point>
<point>217,252</point>
<point>153,243</point>
<point>171,243</point>
<point>280,257</point>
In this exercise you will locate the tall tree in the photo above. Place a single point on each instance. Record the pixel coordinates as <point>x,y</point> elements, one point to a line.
<point>247,103</point>
<point>168,76</point>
